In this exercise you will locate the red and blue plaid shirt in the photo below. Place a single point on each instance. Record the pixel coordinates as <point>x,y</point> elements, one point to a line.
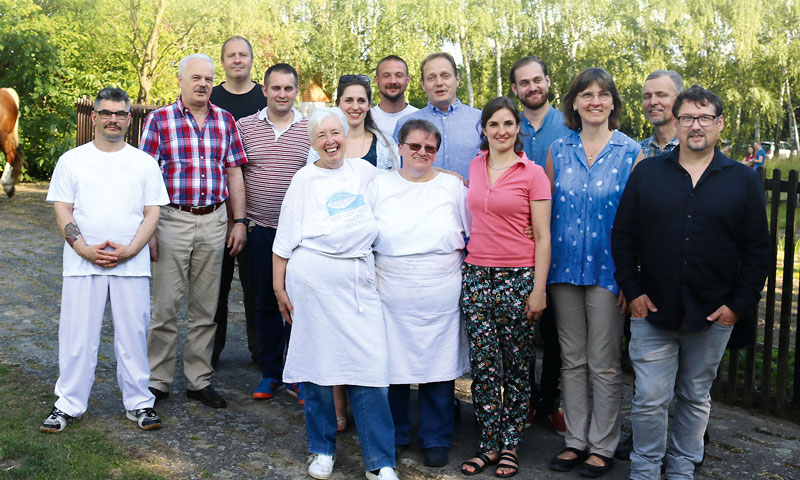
<point>193,161</point>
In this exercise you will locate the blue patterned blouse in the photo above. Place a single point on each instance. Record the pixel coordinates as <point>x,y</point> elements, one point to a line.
<point>585,202</point>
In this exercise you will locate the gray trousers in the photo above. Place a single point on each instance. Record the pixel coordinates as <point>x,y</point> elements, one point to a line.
<point>589,331</point>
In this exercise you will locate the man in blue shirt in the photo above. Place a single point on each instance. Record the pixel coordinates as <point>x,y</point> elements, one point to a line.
<point>659,92</point>
<point>458,123</point>
<point>691,248</point>
<point>540,123</point>
<point>761,155</point>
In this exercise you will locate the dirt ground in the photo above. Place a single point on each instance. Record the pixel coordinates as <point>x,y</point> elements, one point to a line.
<point>266,439</point>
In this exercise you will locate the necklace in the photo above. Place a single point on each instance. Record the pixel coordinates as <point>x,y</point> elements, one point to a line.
<point>501,168</point>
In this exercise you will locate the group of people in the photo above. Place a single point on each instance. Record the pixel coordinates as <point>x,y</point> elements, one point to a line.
<point>755,156</point>
<point>384,246</point>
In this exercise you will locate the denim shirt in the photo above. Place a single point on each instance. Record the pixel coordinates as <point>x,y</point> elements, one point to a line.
<point>585,202</point>
<point>537,142</point>
<point>460,129</point>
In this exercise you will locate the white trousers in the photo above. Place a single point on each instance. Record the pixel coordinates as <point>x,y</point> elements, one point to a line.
<point>83,303</point>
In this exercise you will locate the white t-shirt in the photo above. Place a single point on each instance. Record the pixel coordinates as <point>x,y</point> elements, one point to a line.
<point>325,210</point>
<point>387,121</point>
<point>109,191</point>
<point>416,218</point>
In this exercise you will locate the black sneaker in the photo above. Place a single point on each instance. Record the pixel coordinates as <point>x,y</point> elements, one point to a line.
<point>146,418</point>
<point>56,421</point>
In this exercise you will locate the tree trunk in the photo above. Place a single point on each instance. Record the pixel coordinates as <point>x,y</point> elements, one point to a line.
<point>792,119</point>
<point>498,58</point>
<point>149,60</point>
<point>756,127</point>
<point>779,126</point>
<point>465,57</point>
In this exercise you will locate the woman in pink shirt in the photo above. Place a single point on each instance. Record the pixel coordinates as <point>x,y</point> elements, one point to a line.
<point>499,296</point>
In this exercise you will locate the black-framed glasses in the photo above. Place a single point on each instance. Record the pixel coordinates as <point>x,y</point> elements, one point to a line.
<point>106,114</point>
<point>362,79</point>
<point>416,146</point>
<point>703,120</point>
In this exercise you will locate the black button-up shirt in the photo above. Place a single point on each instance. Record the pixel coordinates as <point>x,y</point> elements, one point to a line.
<point>699,247</point>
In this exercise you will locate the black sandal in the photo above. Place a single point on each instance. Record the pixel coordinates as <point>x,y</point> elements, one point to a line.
<point>478,468</point>
<point>564,464</point>
<point>513,464</point>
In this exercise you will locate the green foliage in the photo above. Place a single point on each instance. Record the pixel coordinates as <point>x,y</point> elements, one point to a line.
<point>53,51</point>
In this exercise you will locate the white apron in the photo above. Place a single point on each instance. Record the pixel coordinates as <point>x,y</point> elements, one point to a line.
<point>338,331</point>
<point>420,295</point>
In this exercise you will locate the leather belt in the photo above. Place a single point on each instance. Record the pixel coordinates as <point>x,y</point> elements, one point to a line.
<point>196,210</point>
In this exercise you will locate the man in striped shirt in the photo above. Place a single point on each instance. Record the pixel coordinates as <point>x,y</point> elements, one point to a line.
<point>200,152</point>
<point>277,145</point>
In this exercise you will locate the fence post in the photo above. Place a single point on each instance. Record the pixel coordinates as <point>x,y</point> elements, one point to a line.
<point>769,312</point>
<point>786,295</point>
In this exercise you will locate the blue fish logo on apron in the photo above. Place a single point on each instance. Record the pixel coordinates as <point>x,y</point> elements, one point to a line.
<point>341,202</point>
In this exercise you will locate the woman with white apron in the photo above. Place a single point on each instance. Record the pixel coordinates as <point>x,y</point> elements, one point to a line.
<point>422,220</point>
<point>324,280</point>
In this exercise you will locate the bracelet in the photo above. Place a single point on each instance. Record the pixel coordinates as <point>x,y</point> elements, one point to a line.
<point>243,221</point>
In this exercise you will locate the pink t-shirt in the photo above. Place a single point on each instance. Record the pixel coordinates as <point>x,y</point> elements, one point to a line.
<point>501,213</point>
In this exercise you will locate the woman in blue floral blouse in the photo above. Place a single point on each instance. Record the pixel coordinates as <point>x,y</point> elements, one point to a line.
<point>589,169</point>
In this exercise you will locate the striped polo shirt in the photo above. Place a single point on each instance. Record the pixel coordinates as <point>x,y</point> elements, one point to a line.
<point>273,157</point>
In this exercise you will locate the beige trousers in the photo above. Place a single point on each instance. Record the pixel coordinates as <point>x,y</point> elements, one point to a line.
<point>190,248</point>
<point>589,331</point>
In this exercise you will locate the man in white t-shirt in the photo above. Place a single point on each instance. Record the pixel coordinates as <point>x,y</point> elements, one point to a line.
<point>392,79</point>
<point>106,195</point>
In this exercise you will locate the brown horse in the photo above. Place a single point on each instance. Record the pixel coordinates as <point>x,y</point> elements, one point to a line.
<point>9,139</point>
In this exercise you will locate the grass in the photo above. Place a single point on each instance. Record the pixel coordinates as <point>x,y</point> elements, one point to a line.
<point>783,164</point>
<point>81,451</point>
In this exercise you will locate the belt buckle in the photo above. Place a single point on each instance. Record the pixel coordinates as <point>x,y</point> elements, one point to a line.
<point>195,208</point>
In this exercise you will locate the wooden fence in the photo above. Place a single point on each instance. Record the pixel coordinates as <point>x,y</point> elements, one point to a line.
<point>762,375</point>
<point>765,374</point>
<point>85,130</point>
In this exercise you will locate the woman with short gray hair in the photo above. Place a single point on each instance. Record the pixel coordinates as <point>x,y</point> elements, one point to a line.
<point>324,281</point>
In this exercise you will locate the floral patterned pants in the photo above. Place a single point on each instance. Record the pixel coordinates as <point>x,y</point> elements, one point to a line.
<point>500,346</point>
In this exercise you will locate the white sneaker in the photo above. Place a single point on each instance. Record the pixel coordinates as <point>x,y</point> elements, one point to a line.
<point>321,466</point>
<point>385,473</point>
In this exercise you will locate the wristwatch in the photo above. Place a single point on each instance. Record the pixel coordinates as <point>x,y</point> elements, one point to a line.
<point>243,221</point>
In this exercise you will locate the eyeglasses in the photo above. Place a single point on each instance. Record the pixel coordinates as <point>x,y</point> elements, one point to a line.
<point>416,146</point>
<point>703,120</point>
<point>106,114</point>
<point>362,79</point>
<point>603,96</point>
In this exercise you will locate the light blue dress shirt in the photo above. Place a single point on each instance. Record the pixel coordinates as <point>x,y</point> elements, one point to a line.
<point>585,203</point>
<point>460,129</point>
<point>537,142</point>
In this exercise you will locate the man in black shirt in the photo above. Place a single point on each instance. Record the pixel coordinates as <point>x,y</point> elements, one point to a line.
<point>695,221</point>
<point>241,97</point>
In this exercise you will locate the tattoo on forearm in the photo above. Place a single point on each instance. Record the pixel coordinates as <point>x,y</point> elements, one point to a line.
<point>71,232</point>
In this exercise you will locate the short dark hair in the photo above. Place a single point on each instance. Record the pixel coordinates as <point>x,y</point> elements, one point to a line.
<point>490,109</point>
<point>584,79</point>
<point>390,58</point>
<point>700,95</point>
<point>422,125</point>
<point>114,94</point>
<point>512,75</point>
<point>281,68</point>
<point>235,37</point>
<point>434,56</point>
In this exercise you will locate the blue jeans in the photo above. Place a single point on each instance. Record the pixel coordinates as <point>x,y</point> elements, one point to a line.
<point>666,361</point>
<point>273,335</point>
<point>373,418</point>
<point>436,413</point>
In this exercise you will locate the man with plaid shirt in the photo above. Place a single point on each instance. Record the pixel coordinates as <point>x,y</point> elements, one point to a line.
<point>659,92</point>
<point>200,152</point>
